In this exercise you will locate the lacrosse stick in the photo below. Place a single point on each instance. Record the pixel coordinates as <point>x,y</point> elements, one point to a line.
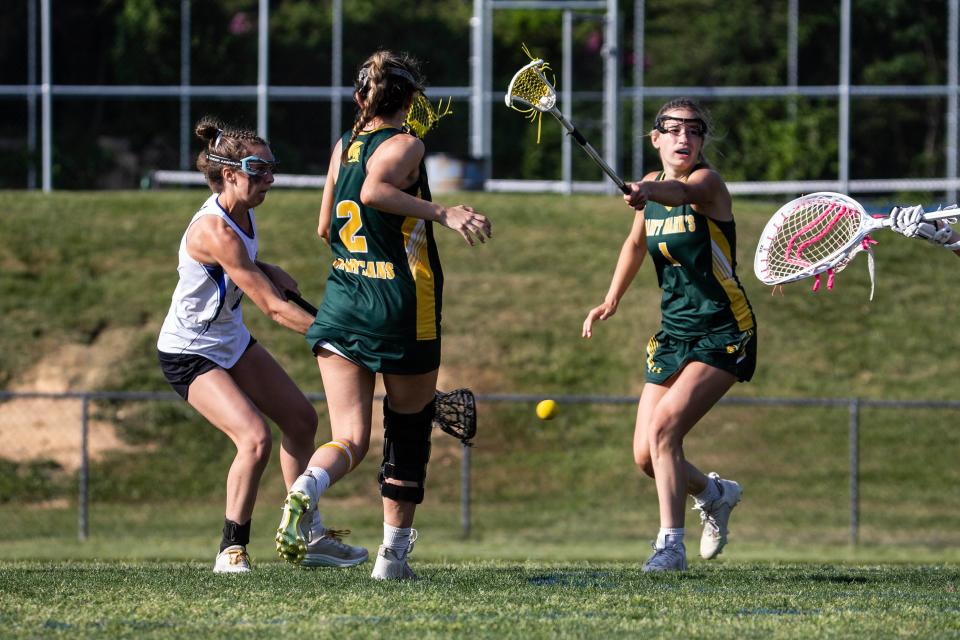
<point>422,117</point>
<point>530,92</point>
<point>456,414</point>
<point>300,302</point>
<point>821,232</point>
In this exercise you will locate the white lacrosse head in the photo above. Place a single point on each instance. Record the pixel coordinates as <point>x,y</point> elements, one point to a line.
<point>810,235</point>
<point>530,89</point>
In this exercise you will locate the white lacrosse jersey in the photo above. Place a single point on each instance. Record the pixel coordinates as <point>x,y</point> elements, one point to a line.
<point>205,317</point>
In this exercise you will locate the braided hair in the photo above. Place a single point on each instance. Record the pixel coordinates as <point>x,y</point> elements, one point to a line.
<point>225,141</point>
<point>385,84</point>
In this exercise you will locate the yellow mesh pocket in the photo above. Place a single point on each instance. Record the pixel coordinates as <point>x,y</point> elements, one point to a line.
<point>423,117</point>
<point>530,92</point>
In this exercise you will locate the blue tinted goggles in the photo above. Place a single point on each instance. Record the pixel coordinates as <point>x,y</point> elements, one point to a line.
<point>251,165</point>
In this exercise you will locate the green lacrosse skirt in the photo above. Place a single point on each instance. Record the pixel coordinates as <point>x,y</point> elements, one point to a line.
<point>401,357</point>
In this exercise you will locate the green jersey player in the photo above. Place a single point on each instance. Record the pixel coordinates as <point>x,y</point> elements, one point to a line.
<point>708,336</point>
<point>380,314</point>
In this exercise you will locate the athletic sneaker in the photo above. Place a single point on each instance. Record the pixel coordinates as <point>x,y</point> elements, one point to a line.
<point>233,559</point>
<point>672,557</point>
<point>329,550</point>
<point>290,543</point>
<point>715,516</point>
<point>392,565</point>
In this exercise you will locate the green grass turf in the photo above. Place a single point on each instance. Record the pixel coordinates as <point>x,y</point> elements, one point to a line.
<point>493,599</point>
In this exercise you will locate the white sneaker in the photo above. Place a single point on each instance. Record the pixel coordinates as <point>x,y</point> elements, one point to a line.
<point>670,558</point>
<point>715,516</point>
<point>290,543</point>
<point>329,550</point>
<point>392,565</point>
<point>233,559</point>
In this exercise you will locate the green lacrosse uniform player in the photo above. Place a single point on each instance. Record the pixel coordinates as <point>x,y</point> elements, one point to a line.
<point>381,307</point>
<point>706,316</point>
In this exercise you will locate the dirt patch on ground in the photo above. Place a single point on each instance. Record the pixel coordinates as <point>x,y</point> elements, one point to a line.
<point>33,429</point>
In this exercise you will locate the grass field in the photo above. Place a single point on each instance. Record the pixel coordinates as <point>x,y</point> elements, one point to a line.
<point>561,518</point>
<point>492,599</point>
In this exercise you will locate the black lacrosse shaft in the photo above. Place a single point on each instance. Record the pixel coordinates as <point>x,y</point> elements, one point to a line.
<point>300,302</point>
<point>591,152</point>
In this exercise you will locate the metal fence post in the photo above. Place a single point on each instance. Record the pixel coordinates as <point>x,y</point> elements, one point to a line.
<point>854,470</point>
<point>185,85</point>
<point>82,516</point>
<point>465,491</point>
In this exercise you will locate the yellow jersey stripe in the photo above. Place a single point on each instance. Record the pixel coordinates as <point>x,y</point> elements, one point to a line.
<point>415,242</point>
<point>723,271</point>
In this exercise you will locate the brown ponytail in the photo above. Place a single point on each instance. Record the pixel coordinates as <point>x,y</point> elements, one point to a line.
<point>386,82</point>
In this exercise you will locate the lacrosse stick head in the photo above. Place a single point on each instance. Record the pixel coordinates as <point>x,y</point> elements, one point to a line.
<point>456,414</point>
<point>812,234</point>
<point>422,116</point>
<point>530,92</point>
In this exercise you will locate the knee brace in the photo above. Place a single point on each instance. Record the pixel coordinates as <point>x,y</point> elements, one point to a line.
<point>406,451</point>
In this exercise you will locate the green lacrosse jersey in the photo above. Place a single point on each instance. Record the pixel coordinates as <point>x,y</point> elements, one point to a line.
<point>385,280</point>
<point>695,259</point>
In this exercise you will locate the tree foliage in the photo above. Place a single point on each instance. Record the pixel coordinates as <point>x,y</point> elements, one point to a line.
<point>687,43</point>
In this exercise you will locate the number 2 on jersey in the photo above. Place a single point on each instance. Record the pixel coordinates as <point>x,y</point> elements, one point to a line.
<point>350,232</point>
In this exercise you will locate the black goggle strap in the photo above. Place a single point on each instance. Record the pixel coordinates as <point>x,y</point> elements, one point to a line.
<point>659,126</point>
<point>212,157</point>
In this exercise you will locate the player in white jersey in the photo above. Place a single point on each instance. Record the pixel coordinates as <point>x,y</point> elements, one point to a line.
<point>209,356</point>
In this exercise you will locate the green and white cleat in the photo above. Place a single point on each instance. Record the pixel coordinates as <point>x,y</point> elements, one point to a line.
<point>290,544</point>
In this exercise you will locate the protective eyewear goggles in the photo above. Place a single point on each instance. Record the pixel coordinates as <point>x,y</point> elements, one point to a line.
<point>673,125</point>
<point>251,165</point>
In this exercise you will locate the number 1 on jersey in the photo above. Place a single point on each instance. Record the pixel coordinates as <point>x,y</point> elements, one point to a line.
<point>349,233</point>
<point>665,252</point>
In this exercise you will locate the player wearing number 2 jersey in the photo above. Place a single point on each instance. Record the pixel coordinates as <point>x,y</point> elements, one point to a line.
<point>380,312</point>
<point>382,303</point>
<point>707,341</point>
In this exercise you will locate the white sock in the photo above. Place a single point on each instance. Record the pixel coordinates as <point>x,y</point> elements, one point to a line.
<point>316,524</point>
<point>672,537</point>
<point>314,482</point>
<point>708,495</point>
<point>396,538</point>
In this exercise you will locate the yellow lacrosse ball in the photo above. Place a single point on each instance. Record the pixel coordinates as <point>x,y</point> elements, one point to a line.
<point>546,409</point>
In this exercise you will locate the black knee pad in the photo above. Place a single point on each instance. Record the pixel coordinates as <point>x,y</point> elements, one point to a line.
<point>406,451</point>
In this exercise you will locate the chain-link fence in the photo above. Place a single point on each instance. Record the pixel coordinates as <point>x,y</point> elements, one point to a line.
<point>114,454</point>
